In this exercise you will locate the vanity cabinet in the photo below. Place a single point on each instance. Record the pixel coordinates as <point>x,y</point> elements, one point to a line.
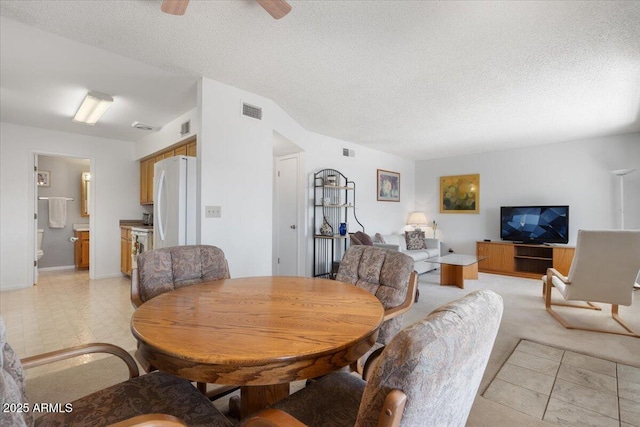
<point>125,250</point>
<point>81,250</point>
<point>184,148</point>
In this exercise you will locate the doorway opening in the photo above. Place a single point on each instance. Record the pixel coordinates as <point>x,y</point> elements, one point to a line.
<point>62,210</point>
<point>288,208</point>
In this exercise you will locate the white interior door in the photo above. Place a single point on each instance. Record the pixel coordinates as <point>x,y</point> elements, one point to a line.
<point>287,239</point>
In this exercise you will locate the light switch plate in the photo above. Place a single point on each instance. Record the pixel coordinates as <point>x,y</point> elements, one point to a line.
<point>213,212</point>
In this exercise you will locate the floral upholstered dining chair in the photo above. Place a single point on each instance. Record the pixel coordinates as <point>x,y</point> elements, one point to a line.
<point>163,270</point>
<point>428,375</point>
<point>152,399</point>
<point>390,277</point>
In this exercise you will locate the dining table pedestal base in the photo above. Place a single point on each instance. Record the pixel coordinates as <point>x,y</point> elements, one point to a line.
<point>254,399</point>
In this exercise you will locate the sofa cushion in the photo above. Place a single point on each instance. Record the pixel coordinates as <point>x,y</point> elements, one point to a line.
<point>418,256</point>
<point>415,240</point>
<point>395,239</point>
<point>378,238</point>
<point>360,238</point>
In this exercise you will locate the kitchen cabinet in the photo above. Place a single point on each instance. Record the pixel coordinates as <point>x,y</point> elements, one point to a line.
<point>185,148</point>
<point>125,250</point>
<point>191,149</point>
<point>145,166</point>
<point>81,250</point>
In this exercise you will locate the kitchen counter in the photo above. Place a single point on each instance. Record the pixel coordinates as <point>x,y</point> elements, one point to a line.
<point>129,224</point>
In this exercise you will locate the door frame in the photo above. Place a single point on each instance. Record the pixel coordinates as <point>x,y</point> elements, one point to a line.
<point>300,214</point>
<point>33,207</point>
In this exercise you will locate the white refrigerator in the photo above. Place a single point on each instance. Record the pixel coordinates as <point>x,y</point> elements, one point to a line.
<point>174,202</point>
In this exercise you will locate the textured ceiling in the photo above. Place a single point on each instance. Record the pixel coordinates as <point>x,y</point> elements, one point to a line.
<point>415,78</point>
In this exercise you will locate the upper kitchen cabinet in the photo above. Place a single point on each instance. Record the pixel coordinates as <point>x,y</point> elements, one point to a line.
<point>183,148</point>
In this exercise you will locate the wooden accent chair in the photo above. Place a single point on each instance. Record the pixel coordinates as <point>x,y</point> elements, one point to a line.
<point>163,270</point>
<point>428,375</point>
<point>157,399</point>
<point>390,277</point>
<point>604,269</point>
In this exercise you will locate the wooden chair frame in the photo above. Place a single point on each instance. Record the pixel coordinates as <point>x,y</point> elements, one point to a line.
<point>548,286</point>
<point>148,420</point>
<point>390,414</point>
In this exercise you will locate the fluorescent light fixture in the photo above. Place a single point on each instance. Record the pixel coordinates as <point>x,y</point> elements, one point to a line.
<point>92,108</point>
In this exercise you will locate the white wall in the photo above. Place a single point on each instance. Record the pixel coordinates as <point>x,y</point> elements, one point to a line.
<point>168,135</point>
<point>116,197</point>
<point>235,158</point>
<point>574,173</point>
<point>236,173</point>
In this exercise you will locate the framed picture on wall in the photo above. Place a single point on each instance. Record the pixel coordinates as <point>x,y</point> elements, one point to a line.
<point>388,186</point>
<point>43,178</point>
<point>460,194</point>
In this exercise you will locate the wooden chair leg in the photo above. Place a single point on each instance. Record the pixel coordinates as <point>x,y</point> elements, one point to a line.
<point>616,317</point>
<point>567,325</point>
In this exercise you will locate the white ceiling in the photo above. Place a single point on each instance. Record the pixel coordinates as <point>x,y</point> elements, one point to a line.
<point>415,78</point>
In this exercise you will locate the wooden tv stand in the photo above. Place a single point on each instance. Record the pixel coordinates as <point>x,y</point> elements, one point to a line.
<point>523,260</point>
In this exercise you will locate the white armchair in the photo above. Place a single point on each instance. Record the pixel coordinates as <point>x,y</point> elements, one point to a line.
<point>604,269</point>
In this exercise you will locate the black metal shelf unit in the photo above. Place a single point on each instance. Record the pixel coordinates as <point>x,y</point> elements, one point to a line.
<point>334,199</point>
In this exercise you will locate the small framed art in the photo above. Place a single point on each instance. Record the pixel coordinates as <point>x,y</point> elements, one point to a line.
<point>388,186</point>
<point>43,178</point>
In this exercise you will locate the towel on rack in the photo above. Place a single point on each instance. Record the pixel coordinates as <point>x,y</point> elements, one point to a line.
<point>57,212</point>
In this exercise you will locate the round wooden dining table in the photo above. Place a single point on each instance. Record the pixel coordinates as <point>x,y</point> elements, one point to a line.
<point>257,332</point>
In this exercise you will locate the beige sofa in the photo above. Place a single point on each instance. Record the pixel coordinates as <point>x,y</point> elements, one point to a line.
<point>397,242</point>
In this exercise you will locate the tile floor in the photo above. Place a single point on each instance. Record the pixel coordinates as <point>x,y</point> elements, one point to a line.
<point>566,388</point>
<point>67,309</point>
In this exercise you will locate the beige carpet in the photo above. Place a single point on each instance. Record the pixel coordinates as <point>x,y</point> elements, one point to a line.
<point>524,318</point>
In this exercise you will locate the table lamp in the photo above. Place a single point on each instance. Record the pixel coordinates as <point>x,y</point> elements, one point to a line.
<point>417,219</point>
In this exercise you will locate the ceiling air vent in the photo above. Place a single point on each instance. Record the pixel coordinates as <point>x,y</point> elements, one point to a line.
<point>185,128</point>
<point>142,126</point>
<point>251,111</point>
<point>348,152</point>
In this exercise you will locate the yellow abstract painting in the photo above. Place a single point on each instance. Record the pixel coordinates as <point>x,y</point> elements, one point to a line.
<point>460,194</point>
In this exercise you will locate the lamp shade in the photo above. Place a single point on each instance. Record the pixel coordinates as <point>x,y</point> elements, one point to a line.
<point>417,218</point>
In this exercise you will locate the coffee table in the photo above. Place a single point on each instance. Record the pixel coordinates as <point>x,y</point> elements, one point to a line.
<point>456,267</point>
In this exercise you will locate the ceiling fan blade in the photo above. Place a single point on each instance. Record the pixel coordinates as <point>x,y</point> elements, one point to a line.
<point>174,7</point>
<point>276,8</point>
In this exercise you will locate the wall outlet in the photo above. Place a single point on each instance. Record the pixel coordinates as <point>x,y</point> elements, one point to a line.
<point>213,212</point>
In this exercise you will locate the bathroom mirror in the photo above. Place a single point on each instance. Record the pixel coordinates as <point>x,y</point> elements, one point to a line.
<point>85,193</point>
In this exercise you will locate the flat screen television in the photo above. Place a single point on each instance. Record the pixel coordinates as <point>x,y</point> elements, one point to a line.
<point>535,224</point>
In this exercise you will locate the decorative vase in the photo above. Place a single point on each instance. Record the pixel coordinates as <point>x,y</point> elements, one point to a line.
<point>343,229</point>
<point>326,229</point>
